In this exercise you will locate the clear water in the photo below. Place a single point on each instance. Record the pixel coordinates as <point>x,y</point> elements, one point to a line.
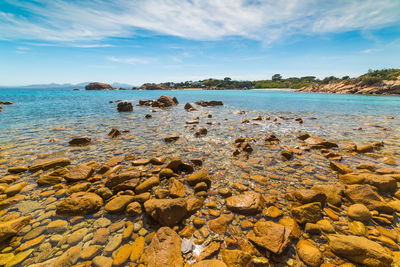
<point>41,122</point>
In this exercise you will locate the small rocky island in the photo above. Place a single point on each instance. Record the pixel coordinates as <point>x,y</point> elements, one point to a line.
<point>99,86</point>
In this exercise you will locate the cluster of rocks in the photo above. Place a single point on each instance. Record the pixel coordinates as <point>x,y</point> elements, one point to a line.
<point>163,101</point>
<point>355,86</point>
<point>5,103</point>
<point>99,86</point>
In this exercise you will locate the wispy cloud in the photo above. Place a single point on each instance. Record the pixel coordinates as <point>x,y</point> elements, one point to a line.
<point>267,20</point>
<point>130,60</point>
<point>370,50</point>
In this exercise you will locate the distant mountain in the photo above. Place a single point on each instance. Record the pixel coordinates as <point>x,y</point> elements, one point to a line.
<point>65,86</point>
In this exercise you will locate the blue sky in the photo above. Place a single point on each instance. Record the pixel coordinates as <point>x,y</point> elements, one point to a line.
<point>72,41</point>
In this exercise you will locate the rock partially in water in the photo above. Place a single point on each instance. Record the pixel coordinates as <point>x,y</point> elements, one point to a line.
<point>360,250</point>
<point>272,236</point>
<point>211,103</point>
<point>80,141</point>
<point>124,107</point>
<point>79,172</point>
<point>164,249</point>
<point>166,211</point>
<point>308,213</point>
<point>46,164</point>
<point>309,253</point>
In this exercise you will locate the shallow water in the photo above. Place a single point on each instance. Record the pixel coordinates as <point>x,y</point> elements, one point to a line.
<point>41,122</point>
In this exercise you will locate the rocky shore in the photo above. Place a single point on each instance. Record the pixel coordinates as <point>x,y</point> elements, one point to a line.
<point>296,199</point>
<point>355,86</point>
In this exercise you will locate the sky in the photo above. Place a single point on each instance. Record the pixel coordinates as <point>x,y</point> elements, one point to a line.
<point>138,41</point>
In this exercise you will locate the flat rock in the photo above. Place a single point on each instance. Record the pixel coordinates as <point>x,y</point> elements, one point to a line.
<point>164,249</point>
<point>79,172</point>
<point>45,164</point>
<point>308,213</point>
<point>247,203</point>
<point>117,205</point>
<point>272,236</point>
<point>360,250</point>
<point>365,194</point>
<point>80,203</point>
<point>11,228</point>
<point>384,183</point>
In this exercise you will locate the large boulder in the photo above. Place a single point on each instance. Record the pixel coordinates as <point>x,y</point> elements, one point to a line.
<point>384,183</point>
<point>273,236</point>
<point>80,203</point>
<point>99,86</point>
<point>359,250</point>
<point>45,164</point>
<point>166,101</point>
<point>247,203</point>
<point>11,228</point>
<point>164,249</point>
<point>166,211</point>
<point>365,194</point>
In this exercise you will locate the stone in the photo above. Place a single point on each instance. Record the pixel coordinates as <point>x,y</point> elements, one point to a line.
<point>137,248</point>
<point>235,258</point>
<point>305,196</point>
<point>164,249</point>
<point>77,236</point>
<point>31,243</point>
<point>101,261</point>
<point>318,142</point>
<point>286,154</point>
<point>124,107</point>
<point>80,203</point>
<point>210,263</point>
<point>118,204</point>
<point>273,212</point>
<point>339,167</point>
<point>10,228</point>
<point>133,209</point>
<point>269,235</point>
<point>292,225</point>
<point>18,258</point>
<point>176,188</point>
<point>147,184</point>
<point>79,172</point>
<point>310,212</point>
<point>14,189</point>
<point>166,211</point>
<point>333,193</point>
<point>80,141</point>
<point>46,164</point>
<point>365,194</point>
<point>359,212</point>
<point>101,236</point>
<point>114,133</point>
<point>57,226</point>
<point>17,170</point>
<point>122,255</point>
<point>360,250</point>
<point>309,253</point>
<point>113,243</point>
<point>167,101</point>
<point>201,132</point>
<point>198,177</point>
<point>384,183</point>
<point>211,103</point>
<point>246,203</point>
<point>49,180</point>
<point>209,251</point>
<point>113,180</point>
<point>69,257</point>
<point>90,252</point>
<point>170,139</point>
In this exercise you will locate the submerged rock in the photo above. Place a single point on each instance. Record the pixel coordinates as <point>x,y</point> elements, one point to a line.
<point>46,164</point>
<point>11,228</point>
<point>211,103</point>
<point>272,236</point>
<point>80,141</point>
<point>80,203</point>
<point>247,203</point>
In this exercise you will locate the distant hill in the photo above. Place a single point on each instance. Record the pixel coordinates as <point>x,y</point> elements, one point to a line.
<point>64,86</point>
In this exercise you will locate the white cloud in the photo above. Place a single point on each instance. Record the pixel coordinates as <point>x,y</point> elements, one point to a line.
<point>130,60</point>
<point>266,20</point>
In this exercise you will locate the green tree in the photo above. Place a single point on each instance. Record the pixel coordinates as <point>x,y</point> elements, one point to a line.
<point>276,77</point>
